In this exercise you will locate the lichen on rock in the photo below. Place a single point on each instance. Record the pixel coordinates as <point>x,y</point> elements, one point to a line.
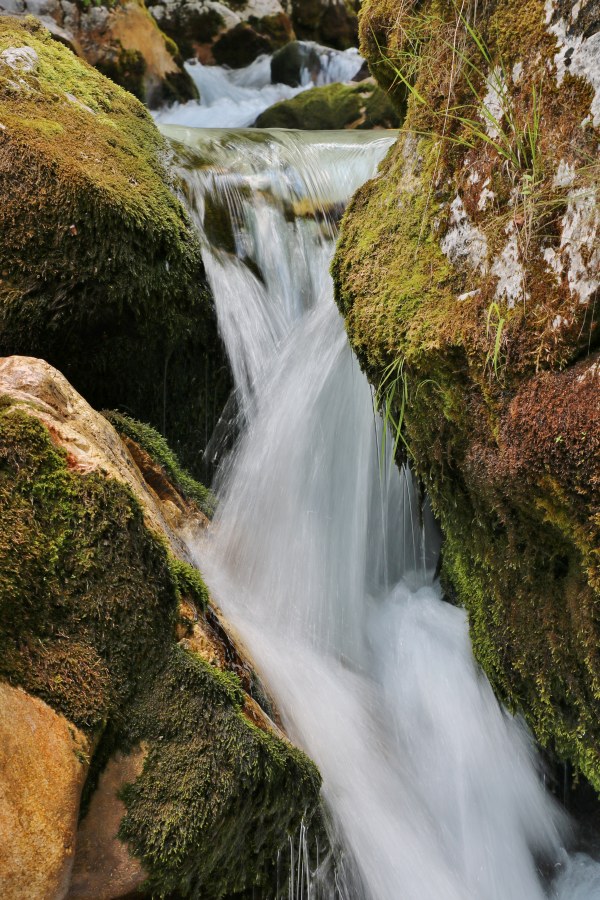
<point>470,264</point>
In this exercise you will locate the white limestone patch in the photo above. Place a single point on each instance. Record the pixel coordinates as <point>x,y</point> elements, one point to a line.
<point>509,271</point>
<point>554,262</point>
<point>486,196</point>
<point>517,72</point>
<point>580,243</point>
<point>494,102</point>
<point>20,59</point>
<point>592,372</point>
<point>464,242</point>
<point>73,99</point>
<point>576,54</point>
<point>565,175</point>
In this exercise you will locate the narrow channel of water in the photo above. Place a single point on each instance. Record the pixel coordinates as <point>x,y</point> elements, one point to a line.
<point>321,556</point>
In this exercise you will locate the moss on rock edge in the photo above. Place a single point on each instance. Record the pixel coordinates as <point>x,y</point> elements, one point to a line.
<point>88,605</point>
<point>101,271</point>
<point>471,265</point>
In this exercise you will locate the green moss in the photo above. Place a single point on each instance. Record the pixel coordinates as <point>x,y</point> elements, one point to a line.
<point>128,69</point>
<point>88,603</point>
<point>333,106</point>
<point>226,814</point>
<point>189,583</point>
<point>86,592</point>
<point>508,457</point>
<point>156,446</point>
<point>101,268</point>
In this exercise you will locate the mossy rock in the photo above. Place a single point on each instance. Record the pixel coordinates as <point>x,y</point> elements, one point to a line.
<point>101,271</point>
<point>89,600</point>
<point>150,440</point>
<point>334,106</point>
<point>468,275</point>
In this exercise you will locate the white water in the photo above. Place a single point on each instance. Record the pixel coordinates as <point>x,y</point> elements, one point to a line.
<point>234,98</point>
<point>319,557</point>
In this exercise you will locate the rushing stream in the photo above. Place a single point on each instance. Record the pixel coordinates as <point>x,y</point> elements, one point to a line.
<point>236,97</point>
<point>321,556</point>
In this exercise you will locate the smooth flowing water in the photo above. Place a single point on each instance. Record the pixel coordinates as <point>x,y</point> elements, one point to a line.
<point>323,556</point>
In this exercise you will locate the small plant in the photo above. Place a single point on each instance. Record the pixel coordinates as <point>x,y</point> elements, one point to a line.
<point>495,323</point>
<point>392,390</point>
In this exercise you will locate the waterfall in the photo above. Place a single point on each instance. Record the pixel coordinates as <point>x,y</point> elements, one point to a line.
<point>322,554</point>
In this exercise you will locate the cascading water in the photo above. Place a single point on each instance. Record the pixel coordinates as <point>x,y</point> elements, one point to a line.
<point>236,97</point>
<point>320,555</point>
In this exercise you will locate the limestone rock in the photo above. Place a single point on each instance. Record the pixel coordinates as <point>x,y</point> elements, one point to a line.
<point>43,764</point>
<point>104,868</point>
<point>92,444</point>
<point>330,22</point>
<point>227,33</point>
<point>103,618</point>
<point>471,268</point>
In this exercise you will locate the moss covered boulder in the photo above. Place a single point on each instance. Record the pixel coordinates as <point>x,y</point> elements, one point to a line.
<point>107,625</point>
<point>334,106</point>
<point>468,274</point>
<point>100,267</point>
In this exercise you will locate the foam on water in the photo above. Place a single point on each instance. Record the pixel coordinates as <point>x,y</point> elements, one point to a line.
<point>322,555</point>
<point>234,98</point>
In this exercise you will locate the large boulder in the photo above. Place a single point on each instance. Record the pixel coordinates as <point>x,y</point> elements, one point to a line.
<point>43,764</point>
<point>115,665</point>
<point>101,269</point>
<point>121,39</point>
<point>334,106</point>
<point>231,33</point>
<point>468,273</point>
<point>330,22</point>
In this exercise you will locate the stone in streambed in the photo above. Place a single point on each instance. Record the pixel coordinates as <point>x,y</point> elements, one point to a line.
<point>334,106</point>
<point>119,38</point>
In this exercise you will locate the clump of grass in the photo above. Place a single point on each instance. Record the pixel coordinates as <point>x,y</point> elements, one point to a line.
<point>391,399</point>
<point>495,323</point>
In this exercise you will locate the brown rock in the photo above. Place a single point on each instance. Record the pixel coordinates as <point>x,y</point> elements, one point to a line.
<point>104,869</point>
<point>43,764</point>
<point>121,39</point>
